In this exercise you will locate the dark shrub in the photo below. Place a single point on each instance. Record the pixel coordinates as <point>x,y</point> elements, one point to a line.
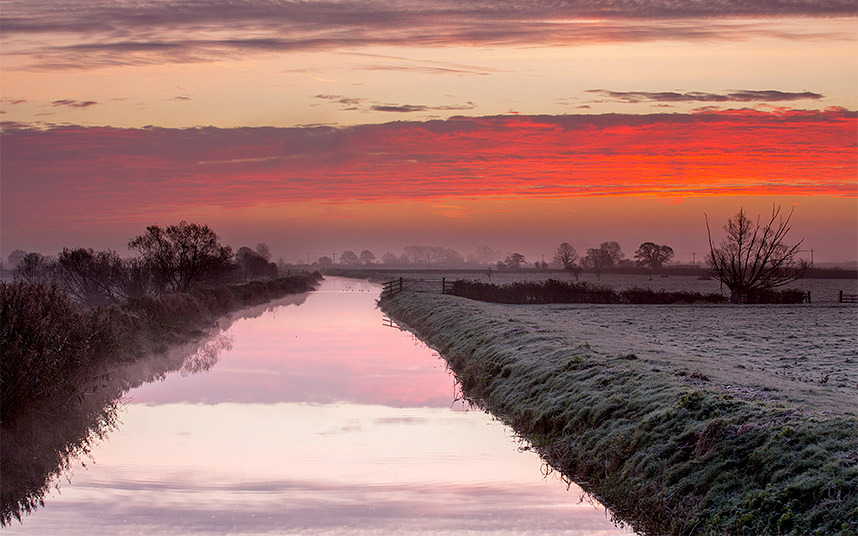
<point>42,339</point>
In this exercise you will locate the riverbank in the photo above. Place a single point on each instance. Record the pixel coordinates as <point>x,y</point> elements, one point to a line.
<point>49,342</point>
<point>672,441</point>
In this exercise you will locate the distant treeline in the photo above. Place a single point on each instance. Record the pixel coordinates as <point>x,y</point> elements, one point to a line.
<point>554,291</point>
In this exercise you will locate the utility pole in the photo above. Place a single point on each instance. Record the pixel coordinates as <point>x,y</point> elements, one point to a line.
<point>811,254</point>
<point>694,259</point>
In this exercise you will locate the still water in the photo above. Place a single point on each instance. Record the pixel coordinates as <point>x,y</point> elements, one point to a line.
<point>313,417</point>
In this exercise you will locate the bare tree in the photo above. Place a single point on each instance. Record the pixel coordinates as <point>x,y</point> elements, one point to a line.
<point>484,255</point>
<point>184,255</point>
<point>566,255</point>
<point>367,257</point>
<point>349,258</point>
<point>254,265</point>
<point>33,268</point>
<point>90,277</point>
<point>263,251</point>
<point>607,255</point>
<point>654,256</point>
<point>753,256</point>
<point>514,261</point>
<point>15,257</point>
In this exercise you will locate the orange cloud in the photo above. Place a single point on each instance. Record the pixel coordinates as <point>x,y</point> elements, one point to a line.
<point>78,172</point>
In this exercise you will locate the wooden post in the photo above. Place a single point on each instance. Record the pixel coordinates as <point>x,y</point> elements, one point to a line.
<point>400,284</point>
<point>443,285</point>
<point>840,297</point>
<point>808,296</point>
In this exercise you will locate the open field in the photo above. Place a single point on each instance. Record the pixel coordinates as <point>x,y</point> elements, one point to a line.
<point>806,356</point>
<point>682,419</point>
<point>821,290</point>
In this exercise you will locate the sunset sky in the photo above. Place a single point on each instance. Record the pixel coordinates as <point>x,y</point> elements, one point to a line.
<point>320,126</point>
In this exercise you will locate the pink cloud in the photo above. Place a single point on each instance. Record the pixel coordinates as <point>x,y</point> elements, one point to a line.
<point>83,172</point>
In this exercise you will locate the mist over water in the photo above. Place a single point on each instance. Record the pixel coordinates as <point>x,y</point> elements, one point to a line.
<point>316,418</point>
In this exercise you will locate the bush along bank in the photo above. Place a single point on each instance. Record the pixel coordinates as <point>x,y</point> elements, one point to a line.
<point>666,455</point>
<point>48,342</point>
<point>554,291</point>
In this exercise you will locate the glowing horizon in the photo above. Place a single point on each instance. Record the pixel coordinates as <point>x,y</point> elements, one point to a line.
<point>322,126</point>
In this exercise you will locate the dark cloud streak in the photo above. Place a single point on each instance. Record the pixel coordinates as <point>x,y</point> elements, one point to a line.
<point>98,33</point>
<point>72,103</point>
<point>745,95</point>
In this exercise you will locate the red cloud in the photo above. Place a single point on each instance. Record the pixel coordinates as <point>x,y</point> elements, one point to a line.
<point>112,171</point>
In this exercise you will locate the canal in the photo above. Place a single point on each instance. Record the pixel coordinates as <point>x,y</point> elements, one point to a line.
<point>311,416</point>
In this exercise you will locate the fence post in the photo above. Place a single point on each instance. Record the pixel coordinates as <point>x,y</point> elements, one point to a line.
<point>443,285</point>
<point>400,284</point>
<point>808,296</point>
<point>840,297</point>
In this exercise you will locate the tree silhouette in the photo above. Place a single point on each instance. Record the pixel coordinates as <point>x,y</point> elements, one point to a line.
<point>15,257</point>
<point>753,256</point>
<point>367,257</point>
<point>654,256</point>
<point>606,256</point>
<point>183,256</point>
<point>33,268</point>
<point>348,258</point>
<point>566,255</point>
<point>514,261</point>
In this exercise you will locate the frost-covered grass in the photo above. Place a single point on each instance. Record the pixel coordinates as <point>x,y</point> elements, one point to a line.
<point>682,419</point>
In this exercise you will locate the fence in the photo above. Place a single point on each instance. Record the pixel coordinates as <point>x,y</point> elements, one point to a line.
<point>847,298</point>
<point>396,286</point>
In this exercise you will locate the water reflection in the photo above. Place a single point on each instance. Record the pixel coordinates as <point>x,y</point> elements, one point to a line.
<point>318,420</point>
<point>38,445</point>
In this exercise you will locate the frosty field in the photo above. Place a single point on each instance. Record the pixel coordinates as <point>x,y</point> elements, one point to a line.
<point>798,354</point>
<point>683,419</point>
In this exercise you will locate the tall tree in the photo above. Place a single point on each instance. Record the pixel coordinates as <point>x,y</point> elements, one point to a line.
<point>348,258</point>
<point>254,265</point>
<point>33,268</point>
<point>263,251</point>
<point>90,277</point>
<point>566,255</point>
<point>753,256</point>
<point>606,256</point>
<point>514,260</point>
<point>183,256</point>
<point>367,257</point>
<point>484,255</point>
<point>653,256</point>
<point>15,257</point>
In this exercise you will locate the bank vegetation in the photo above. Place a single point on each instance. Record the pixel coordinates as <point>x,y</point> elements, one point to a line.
<point>667,449</point>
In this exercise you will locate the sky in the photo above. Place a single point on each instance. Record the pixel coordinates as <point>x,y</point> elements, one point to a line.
<point>320,126</point>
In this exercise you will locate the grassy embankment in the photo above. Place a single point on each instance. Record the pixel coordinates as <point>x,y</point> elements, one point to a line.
<point>669,451</point>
